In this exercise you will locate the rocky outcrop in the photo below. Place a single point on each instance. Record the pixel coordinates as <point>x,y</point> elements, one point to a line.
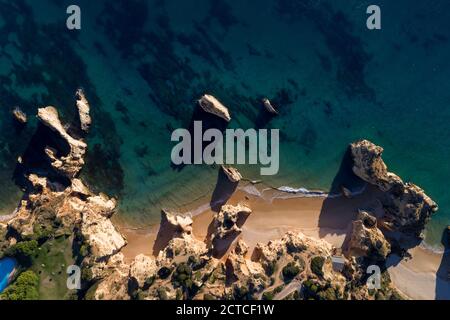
<point>70,163</point>
<point>114,282</point>
<point>211,105</point>
<point>176,223</point>
<point>100,235</point>
<point>228,221</point>
<point>232,174</point>
<point>83,111</point>
<point>268,106</point>
<point>243,270</point>
<point>52,208</point>
<point>143,269</point>
<point>407,207</point>
<point>19,116</point>
<point>367,240</point>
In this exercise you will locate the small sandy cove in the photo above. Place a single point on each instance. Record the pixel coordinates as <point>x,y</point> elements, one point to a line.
<point>321,217</point>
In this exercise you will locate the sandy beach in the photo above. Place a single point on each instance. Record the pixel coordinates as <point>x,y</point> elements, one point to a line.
<point>327,218</point>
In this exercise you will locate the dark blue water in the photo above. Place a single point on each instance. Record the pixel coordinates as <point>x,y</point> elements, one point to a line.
<point>7,266</point>
<point>143,64</point>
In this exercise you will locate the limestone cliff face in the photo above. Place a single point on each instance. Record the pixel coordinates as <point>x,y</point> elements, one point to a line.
<point>407,207</point>
<point>52,207</point>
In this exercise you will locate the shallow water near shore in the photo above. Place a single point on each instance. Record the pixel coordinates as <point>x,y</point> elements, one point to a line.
<point>144,63</point>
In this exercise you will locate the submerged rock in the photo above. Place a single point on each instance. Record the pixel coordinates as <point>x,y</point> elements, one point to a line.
<point>232,174</point>
<point>407,207</point>
<point>211,105</point>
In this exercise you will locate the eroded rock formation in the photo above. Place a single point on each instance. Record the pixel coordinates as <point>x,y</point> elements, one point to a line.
<point>407,207</point>
<point>367,240</point>
<point>228,221</point>
<point>68,164</point>
<point>232,174</point>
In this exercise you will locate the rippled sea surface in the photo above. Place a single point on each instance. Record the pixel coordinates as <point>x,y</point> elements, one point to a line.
<point>143,64</point>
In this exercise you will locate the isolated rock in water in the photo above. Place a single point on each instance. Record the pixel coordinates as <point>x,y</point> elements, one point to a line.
<point>72,163</point>
<point>212,105</point>
<point>232,174</point>
<point>101,235</point>
<point>143,268</point>
<point>83,110</point>
<point>268,106</point>
<point>179,223</point>
<point>19,115</point>
<point>227,221</point>
<point>367,240</point>
<point>407,207</point>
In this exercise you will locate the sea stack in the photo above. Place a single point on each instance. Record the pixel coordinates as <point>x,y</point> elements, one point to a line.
<point>232,174</point>
<point>211,105</point>
<point>268,106</point>
<point>19,116</point>
<point>83,110</point>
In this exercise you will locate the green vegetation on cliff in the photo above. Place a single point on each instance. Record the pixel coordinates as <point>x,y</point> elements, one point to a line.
<point>26,287</point>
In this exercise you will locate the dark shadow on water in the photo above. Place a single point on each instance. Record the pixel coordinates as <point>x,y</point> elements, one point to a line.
<point>223,191</point>
<point>35,160</point>
<point>443,273</point>
<point>209,121</point>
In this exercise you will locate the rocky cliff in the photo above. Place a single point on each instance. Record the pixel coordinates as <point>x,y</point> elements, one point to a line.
<point>57,204</point>
<point>407,207</point>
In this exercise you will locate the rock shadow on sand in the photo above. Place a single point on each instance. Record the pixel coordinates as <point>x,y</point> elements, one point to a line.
<point>223,191</point>
<point>338,211</point>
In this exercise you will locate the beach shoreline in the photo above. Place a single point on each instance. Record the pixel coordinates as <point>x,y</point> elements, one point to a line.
<point>321,217</point>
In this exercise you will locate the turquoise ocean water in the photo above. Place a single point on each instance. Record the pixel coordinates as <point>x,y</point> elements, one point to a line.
<point>144,63</point>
